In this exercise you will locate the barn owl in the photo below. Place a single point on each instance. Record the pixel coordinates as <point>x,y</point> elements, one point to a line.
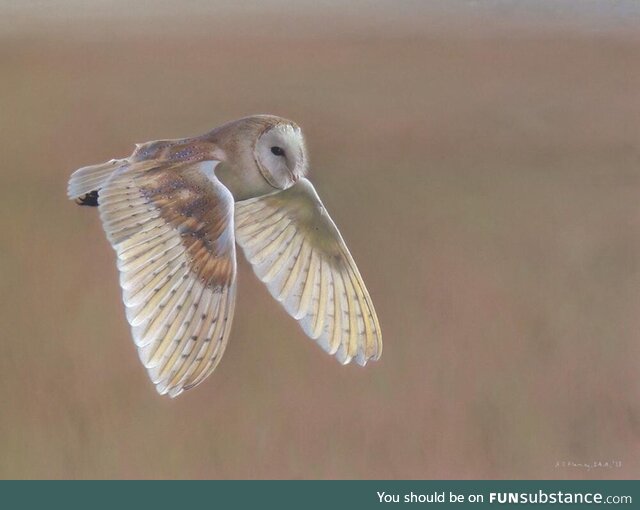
<point>174,211</point>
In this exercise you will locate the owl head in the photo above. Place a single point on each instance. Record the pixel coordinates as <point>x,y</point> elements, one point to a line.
<point>260,154</point>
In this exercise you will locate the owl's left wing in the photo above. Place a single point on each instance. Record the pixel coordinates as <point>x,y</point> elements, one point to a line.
<point>297,251</point>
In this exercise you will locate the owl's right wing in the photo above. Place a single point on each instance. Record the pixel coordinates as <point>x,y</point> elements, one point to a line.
<point>297,251</point>
<point>172,227</point>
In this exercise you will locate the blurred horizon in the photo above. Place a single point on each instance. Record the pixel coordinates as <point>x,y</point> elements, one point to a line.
<point>102,19</point>
<point>481,161</point>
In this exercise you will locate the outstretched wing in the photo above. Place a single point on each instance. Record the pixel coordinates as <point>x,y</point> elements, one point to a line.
<point>297,251</point>
<point>172,227</point>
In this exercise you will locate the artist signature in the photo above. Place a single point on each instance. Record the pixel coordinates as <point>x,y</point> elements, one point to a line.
<point>588,466</point>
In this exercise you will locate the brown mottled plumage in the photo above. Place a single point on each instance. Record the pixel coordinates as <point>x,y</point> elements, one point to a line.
<point>173,211</point>
<point>184,201</point>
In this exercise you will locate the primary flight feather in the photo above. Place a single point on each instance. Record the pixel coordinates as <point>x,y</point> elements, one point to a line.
<point>173,212</point>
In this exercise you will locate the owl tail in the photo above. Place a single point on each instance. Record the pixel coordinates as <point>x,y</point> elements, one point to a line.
<point>85,183</point>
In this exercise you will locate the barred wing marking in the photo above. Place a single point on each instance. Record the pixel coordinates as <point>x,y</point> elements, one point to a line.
<point>297,251</point>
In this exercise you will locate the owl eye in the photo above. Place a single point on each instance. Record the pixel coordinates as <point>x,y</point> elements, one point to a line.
<point>278,151</point>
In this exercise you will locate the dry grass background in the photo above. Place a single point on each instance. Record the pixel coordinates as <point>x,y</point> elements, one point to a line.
<point>487,184</point>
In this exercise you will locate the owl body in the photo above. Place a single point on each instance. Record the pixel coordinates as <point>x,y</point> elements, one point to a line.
<point>174,211</point>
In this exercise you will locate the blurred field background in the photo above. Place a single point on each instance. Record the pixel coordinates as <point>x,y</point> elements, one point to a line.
<point>481,160</point>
